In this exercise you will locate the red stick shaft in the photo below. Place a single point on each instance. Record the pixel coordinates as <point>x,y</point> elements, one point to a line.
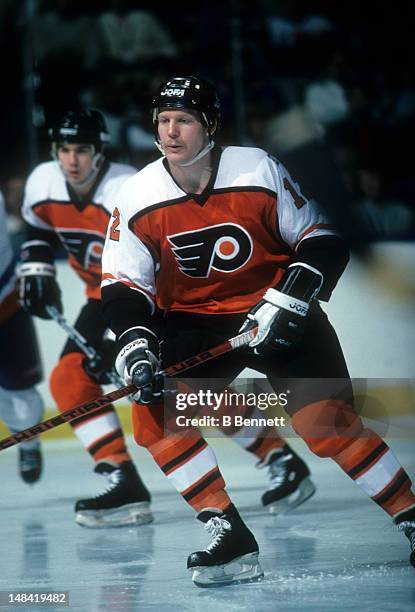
<point>112,396</point>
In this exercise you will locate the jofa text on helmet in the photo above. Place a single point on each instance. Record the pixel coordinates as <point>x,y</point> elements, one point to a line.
<point>170,91</point>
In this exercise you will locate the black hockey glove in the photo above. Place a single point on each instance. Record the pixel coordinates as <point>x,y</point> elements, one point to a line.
<point>281,314</point>
<point>36,283</point>
<point>137,363</point>
<point>101,367</point>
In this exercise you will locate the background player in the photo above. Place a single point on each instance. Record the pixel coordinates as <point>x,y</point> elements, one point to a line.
<point>210,234</point>
<point>21,405</point>
<point>69,196</point>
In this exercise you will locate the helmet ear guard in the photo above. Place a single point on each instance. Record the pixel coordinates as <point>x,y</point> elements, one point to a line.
<point>211,125</point>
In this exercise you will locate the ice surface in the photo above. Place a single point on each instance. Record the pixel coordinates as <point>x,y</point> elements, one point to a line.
<point>337,552</point>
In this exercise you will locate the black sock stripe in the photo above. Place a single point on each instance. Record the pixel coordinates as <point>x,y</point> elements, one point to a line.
<point>113,435</point>
<point>392,490</point>
<point>255,445</point>
<point>367,460</point>
<point>407,514</point>
<point>202,485</point>
<point>188,453</point>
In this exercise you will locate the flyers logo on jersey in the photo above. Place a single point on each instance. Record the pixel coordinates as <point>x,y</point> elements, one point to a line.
<point>85,246</point>
<point>225,247</point>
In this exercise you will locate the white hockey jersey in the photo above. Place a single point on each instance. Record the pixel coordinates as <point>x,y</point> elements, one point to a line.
<point>213,253</point>
<point>81,224</point>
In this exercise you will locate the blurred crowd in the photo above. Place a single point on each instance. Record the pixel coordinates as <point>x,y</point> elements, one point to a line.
<point>327,89</point>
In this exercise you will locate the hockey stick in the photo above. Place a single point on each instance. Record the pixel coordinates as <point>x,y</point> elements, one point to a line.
<point>81,342</point>
<point>104,400</point>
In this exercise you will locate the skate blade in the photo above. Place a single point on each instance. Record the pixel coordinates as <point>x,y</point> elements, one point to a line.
<point>131,514</point>
<point>306,489</point>
<point>243,569</point>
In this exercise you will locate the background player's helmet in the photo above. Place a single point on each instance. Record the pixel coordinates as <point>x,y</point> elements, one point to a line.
<point>189,93</point>
<point>83,126</point>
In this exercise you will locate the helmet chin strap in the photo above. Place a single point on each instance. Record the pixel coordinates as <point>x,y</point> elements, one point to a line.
<point>160,148</point>
<point>201,153</point>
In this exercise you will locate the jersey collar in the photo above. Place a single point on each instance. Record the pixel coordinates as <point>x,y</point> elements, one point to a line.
<point>201,198</point>
<point>80,201</point>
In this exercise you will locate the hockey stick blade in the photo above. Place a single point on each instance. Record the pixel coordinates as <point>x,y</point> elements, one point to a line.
<point>106,399</point>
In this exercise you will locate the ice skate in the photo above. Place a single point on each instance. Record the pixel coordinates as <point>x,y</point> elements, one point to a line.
<point>30,463</point>
<point>232,555</point>
<point>290,485</point>
<point>126,501</point>
<point>408,527</point>
<point>405,522</point>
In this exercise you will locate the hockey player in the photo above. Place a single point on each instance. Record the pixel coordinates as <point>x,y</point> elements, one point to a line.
<point>70,196</point>
<point>222,239</point>
<point>21,405</point>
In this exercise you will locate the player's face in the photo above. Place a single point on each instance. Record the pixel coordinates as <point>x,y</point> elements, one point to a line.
<point>181,135</point>
<point>76,161</point>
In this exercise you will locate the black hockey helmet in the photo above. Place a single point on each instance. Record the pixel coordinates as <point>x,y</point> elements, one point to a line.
<point>189,93</point>
<point>81,126</point>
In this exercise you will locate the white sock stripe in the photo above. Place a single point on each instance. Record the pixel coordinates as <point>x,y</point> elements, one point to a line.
<point>193,470</point>
<point>91,431</point>
<point>379,475</point>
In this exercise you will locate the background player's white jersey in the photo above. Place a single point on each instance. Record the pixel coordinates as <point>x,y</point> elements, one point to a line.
<point>47,183</point>
<point>79,221</point>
